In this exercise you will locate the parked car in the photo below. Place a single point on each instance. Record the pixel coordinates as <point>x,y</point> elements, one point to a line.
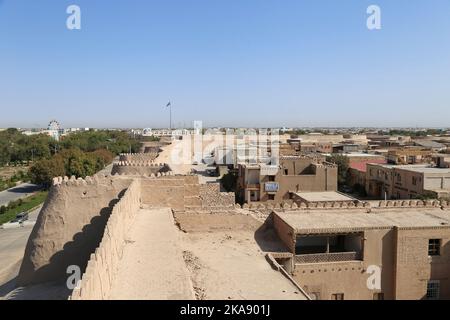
<point>21,217</point>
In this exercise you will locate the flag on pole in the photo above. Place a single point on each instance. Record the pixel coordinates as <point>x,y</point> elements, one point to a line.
<point>168,104</point>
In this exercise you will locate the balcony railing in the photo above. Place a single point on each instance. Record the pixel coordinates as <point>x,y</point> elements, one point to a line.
<point>327,257</point>
<point>253,186</point>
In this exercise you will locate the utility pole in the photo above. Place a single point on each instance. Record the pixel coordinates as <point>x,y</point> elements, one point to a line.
<point>169,104</point>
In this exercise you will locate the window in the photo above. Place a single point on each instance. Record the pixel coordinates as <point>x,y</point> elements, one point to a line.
<point>434,247</point>
<point>433,289</point>
<point>337,296</point>
<point>271,197</point>
<point>271,178</point>
<point>378,296</point>
<point>414,181</point>
<point>285,172</point>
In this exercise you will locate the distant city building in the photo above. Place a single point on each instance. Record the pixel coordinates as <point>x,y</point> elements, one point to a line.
<point>260,182</point>
<point>409,155</point>
<point>407,181</point>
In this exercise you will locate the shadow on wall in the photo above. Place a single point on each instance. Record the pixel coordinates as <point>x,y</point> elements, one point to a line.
<point>46,291</point>
<point>267,239</point>
<point>76,252</point>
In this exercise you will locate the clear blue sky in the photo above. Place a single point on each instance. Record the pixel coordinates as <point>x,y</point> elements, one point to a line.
<point>226,62</point>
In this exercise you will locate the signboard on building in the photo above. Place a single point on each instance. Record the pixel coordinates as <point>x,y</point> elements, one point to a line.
<point>271,186</point>
<point>267,170</point>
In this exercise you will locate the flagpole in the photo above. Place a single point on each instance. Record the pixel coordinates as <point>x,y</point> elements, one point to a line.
<point>170,116</point>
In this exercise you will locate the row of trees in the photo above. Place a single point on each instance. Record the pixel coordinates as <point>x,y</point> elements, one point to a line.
<point>418,133</point>
<point>70,162</point>
<point>79,154</point>
<point>17,148</point>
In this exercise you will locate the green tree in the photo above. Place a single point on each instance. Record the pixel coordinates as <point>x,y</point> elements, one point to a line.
<point>43,171</point>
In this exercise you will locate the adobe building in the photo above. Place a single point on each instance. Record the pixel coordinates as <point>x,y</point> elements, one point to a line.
<point>293,174</point>
<point>333,253</point>
<point>409,155</point>
<point>407,181</point>
<point>358,167</point>
<point>325,197</point>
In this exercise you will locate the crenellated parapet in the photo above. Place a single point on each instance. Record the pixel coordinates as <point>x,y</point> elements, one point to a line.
<point>346,205</point>
<point>74,181</point>
<point>140,164</point>
<point>138,157</point>
<point>139,168</point>
<point>97,279</point>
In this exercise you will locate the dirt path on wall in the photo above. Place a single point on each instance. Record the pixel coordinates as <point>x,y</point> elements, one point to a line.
<point>152,266</point>
<point>184,165</point>
<point>165,156</point>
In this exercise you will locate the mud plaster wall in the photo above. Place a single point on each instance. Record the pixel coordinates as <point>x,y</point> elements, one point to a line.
<point>212,197</point>
<point>163,192</point>
<point>138,157</point>
<point>139,169</point>
<point>69,227</point>
<point>97,279</point>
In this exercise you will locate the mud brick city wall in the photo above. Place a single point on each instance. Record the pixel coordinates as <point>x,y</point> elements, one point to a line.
<point>138,157</point>
<point>212,197</point>
<point>97,279</point>
<point>139,168</point>
<point>69,226</point>
<point>163,192</point>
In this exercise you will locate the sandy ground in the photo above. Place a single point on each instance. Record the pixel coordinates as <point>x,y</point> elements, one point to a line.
<point>209,257</point>
<point>166,156</point>
<point>226,261</point>
<point>152,266</point>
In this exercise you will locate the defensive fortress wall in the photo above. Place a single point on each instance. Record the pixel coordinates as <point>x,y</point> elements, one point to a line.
<point>69,226</point>
<point>83,223</point>
<point>138,157</point>
<point>97,279</point>
<point>140,168</point>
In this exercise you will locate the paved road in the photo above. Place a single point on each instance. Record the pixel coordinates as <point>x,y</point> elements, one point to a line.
<point>21,191</point>
<point>12,248</point>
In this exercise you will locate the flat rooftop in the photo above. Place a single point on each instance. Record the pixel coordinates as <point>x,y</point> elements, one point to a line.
<point>424,168</point>
<point>323,196</point>
<point>346,220</point>
<point>430,170</point>
<point>225,255</point>
<point>362,155</point>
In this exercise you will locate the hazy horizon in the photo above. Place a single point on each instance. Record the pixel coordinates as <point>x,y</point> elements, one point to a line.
<point>227,63</point>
